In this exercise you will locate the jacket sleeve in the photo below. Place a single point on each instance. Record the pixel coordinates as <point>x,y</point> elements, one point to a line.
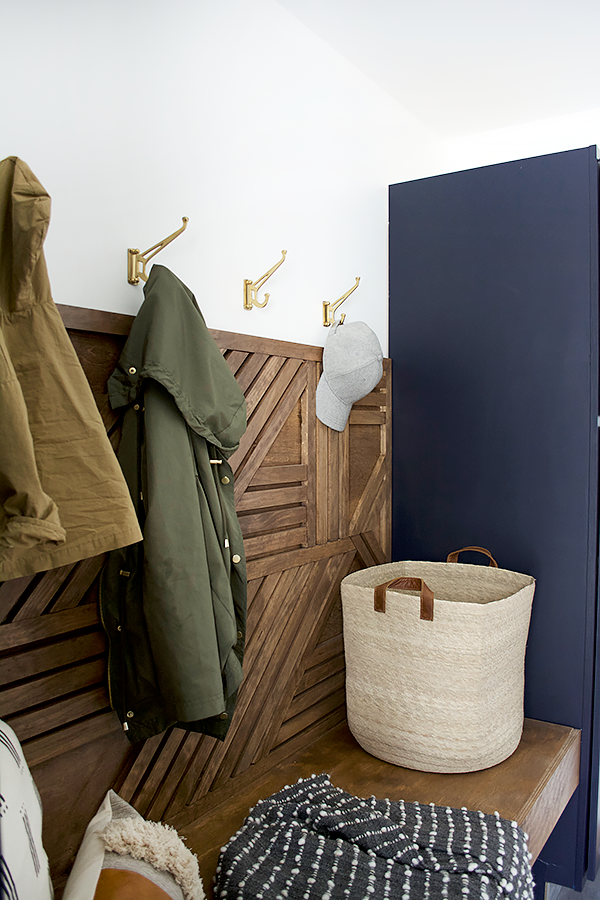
<point>28,516</point>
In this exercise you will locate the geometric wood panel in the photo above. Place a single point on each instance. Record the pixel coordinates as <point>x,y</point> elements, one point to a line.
<point>313,505</point>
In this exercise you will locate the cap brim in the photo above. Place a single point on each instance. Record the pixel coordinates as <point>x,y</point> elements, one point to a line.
<point>330,410</point>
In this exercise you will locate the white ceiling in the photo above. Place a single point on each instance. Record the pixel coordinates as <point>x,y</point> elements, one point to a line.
<point>464,66</point>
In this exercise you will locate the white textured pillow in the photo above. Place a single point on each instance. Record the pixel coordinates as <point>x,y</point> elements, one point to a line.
<point>24,864</point>
<point>119,838</point>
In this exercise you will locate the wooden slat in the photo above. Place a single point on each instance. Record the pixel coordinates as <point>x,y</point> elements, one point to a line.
<point>310,697</point>
<point>189,785</point>
<point>170,746</point>
<point>282,496</point>
<point>309,443</point>
<point>52,656</point>
<point>335,472</point>
<point>260,604</point>
<point>385,510</point>
<point>48,688</point>
<point>234,341</point>
<point>338,484</point>
<point>59,714</point>
<point>376,399</point>
<point>164,798</point>
<point>274,542</point>
<point>143,757</point>
<point>264,380</point>
<point>367,417</point>
<point>326,650</point>
<point>296,725</point>
<point>260,567</point>
<point>322,465</point>
<point>43,593</point>
<point>252,590</point>
<point>11,593</point>
<point>272,520</point>
<point>368,549</point>
<point>235,359</point>
<point>254,363</point>
<point>82,579</point>
<point>321,672</point>
<point>363,512</point>
<point>279,475</point>
<point>78,318</point>
<point>20,634</point>
<point>43,749</point>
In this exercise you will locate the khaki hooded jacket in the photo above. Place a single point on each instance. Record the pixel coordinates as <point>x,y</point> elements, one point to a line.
<point>63,497</point>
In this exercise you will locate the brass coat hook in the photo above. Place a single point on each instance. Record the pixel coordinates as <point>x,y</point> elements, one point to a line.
<point>251,288</point>
<point>330,308</point>
<point>137,262</point>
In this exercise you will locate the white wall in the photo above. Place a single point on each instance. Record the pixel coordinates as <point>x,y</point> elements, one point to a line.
<point>519,141</point>
<point>134,114</point>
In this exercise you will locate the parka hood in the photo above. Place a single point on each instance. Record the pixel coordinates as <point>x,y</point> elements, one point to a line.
<point>169,342</point>
<point>24,220</point>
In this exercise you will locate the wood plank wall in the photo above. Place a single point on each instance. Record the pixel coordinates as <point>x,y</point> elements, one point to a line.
<point>313,504</point>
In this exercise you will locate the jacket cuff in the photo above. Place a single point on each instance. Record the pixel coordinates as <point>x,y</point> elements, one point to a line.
<point>23,532</point>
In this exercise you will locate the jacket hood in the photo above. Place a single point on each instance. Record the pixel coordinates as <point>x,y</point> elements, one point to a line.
<point>24,220</point>
<point>169,342</point>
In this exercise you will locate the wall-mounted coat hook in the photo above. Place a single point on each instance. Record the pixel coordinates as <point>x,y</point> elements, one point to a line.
<point>251,288</point>
<point>330,308</point>
<point>137,262</point>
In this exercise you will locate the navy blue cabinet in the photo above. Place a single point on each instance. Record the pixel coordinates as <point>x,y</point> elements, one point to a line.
<point>494,347</point>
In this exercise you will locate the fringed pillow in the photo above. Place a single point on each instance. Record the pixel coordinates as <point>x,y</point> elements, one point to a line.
<point>124,856</point>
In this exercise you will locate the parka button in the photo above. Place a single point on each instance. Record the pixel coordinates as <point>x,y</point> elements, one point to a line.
<point>130,715</point>
<point>223,716</point>
<point>240,635</point>
<point>136,406</point>
<point>236,558</point>
<point>132,370</point>
<point>224,480</point>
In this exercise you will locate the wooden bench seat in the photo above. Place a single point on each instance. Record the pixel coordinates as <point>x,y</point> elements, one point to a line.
<point>533,786</point>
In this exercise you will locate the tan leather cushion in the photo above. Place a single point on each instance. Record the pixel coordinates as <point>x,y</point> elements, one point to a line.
<point>121,884</point>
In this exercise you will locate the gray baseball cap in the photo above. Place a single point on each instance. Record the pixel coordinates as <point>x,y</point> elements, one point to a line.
<point>352,366</point>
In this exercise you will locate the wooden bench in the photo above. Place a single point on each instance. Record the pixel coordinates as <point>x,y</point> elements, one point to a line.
<point>532,787</point>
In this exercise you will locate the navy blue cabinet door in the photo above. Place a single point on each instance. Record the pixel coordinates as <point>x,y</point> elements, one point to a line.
<point>494,347</point>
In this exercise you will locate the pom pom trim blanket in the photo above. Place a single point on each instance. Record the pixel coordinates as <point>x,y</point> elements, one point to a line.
<point>313,840</point>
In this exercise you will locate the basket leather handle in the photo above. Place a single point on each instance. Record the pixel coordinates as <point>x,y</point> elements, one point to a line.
<point>409,584</point>
<point>453,557</point>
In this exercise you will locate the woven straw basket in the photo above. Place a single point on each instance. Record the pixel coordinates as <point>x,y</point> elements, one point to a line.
<point>435,662</point>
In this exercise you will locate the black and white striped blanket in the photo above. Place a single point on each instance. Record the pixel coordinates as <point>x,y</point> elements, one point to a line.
<point>312,840</point>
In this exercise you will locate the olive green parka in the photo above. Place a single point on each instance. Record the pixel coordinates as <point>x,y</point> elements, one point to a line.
<point>174,606</point>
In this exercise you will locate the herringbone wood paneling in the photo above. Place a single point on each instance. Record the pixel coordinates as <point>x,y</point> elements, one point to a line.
<point>313,505</point>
